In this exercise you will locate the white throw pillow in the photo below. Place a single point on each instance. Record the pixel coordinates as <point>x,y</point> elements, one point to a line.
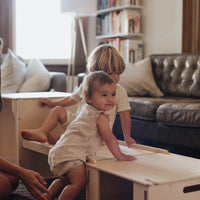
<point>13,72</point>
<point>37,79</point>
<point>138,79</point>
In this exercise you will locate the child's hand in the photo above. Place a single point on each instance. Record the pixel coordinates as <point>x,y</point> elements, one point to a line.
<point>125,157</point>
<point>129,141</point>
<point>46,102</point>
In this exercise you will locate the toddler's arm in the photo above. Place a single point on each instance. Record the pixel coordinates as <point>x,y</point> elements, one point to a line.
<point>110,140</point>
<point>126,126</point>
<point>66,101</point>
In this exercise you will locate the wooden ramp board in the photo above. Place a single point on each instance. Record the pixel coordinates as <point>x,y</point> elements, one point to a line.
<point>151,168</point>
<point>103,152</point>
<point>144,148</point>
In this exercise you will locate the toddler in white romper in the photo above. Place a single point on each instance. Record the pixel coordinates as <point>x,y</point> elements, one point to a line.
<point>80,140</point>
<point>84,136</point>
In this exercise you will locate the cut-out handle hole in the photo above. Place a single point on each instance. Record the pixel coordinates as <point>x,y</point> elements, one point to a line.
<point>192,188</point>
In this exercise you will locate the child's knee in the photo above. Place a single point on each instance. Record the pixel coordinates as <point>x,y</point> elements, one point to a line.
<point>61,113</point>
<point>58,109</point>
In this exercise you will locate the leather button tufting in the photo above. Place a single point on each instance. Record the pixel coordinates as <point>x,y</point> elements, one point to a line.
<point>178,74</point>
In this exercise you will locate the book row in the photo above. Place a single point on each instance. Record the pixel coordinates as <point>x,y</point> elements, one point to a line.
<point>105,4</point>
<point>131,50</point>
<point>126,21</point>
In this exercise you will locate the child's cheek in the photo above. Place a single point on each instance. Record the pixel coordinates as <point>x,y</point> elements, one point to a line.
<point>117,81</point>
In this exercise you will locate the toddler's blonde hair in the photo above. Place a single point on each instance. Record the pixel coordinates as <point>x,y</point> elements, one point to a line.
<point>106,58</point>
<point>88,82</point>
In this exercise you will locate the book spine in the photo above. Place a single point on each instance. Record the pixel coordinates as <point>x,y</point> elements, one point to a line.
<point>114,22</point>
<point>112,3</point>
<point>126,2</point>
<point>118,22</point>
<point>98,25</point>
<point>117,3</point>
<point>139,3</point>
<point>99,6</point>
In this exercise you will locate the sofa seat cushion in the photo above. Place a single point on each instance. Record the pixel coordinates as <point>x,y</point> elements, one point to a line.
<point>179,114</point>
<point>145,108</point>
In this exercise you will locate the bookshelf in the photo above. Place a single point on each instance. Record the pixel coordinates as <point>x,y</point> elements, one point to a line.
<point>118,23</point>
<point>118,8</point>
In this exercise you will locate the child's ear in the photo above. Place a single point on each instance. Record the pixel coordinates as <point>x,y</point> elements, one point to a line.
<point>87,98</point>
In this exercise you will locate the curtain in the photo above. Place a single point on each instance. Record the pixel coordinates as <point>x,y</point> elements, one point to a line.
<point>191,26</point>
<point>1,46</point>
<point>6,26</point>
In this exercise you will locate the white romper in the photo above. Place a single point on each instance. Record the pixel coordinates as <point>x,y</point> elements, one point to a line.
<point>81,139</point>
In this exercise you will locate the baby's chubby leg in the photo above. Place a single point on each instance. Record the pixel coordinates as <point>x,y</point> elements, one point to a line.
<point>56,187</point>
<point>42,134</point>
<point>77,178</point>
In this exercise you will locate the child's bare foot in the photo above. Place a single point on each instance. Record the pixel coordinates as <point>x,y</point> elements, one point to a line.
<point>34,135</point>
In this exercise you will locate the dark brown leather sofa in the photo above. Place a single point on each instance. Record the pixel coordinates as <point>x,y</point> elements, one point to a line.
<point>172,121</point>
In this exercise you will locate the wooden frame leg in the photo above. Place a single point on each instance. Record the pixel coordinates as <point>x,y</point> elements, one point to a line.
<point>93,185</point>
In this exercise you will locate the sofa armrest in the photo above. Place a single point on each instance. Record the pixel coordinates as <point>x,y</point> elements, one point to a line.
<point>81,77</point>
<point>58,81</point>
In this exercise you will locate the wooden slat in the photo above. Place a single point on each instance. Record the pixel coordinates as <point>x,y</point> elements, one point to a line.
<point>39,147</point>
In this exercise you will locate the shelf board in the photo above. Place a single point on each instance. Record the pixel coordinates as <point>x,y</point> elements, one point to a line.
<point>107,10</point>
<point>128,36</point>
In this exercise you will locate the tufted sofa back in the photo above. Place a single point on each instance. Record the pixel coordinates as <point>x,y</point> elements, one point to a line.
<point>177,74</point>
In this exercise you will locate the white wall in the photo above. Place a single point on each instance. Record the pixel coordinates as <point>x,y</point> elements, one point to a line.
<point>161,25</point>
<point>92,42</point>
